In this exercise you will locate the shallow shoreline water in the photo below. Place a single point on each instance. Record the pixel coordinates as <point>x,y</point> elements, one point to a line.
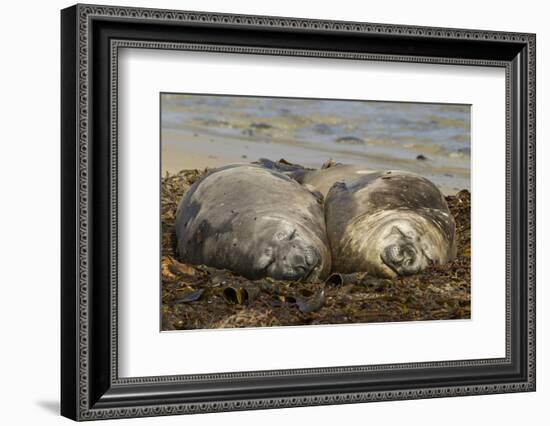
<point>209,131</point>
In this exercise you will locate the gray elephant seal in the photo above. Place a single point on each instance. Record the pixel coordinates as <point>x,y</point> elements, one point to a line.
<point>388,224</point>
<point>255,222</point>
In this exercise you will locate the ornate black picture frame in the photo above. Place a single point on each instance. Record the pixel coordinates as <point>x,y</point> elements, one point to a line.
<point>91,36</point>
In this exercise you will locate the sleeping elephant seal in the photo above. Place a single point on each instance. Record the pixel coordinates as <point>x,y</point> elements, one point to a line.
<point>387,224</point>
<point>255,222</point>
<point>321,179</point>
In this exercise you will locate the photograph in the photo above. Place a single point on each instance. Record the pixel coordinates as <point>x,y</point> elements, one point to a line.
<point>270,208</point>
<point>279,211</point>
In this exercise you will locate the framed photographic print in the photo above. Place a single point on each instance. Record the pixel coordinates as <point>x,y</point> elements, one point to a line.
<point>263,212</point>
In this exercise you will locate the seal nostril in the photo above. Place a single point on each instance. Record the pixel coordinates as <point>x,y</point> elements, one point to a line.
<point>401,259</point>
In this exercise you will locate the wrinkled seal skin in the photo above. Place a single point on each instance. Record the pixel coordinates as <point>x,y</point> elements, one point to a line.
<point>255,222</point>
<point>388,224</point>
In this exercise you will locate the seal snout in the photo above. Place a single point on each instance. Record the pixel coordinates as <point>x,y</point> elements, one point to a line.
<point>302,263</point>
<point>304,258</point>
<point>298,263</point>
<point>401,258</point>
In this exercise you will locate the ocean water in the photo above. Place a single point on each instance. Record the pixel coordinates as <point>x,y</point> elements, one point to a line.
<point>430,139</point>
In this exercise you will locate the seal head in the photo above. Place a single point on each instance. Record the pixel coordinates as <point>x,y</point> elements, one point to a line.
<point>289,256</point>
<point>388,224</point>
<point>255,222</point>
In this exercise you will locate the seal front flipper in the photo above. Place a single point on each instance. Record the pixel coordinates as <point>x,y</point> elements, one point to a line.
<point>340,186</point>
<point>317,194</point>
<point>294,171</point>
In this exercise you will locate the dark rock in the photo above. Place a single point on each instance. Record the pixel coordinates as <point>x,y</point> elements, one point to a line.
<point>323,129</point>
<point>261,126</point>
<point>351,140</point>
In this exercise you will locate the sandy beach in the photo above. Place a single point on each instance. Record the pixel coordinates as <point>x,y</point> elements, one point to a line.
<point>200,132</point>
<point>207,132</point>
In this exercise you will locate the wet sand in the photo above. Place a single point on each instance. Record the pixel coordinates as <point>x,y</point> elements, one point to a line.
<point>210,131</point>
<point>188,150</point>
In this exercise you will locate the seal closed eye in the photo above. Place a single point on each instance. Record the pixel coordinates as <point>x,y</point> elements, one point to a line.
<point>388,223</point>
<point>255,222</point>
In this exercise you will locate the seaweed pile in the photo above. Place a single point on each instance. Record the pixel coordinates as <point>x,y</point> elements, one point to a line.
<point>201,297</point>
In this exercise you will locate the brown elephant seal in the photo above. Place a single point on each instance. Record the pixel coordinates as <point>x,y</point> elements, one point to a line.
<point>255,222</point>
<point>388,224</point>
<point>321,179</point>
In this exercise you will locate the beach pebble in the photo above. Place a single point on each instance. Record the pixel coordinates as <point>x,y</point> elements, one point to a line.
<point>352,140</point>
<point>261,126</point>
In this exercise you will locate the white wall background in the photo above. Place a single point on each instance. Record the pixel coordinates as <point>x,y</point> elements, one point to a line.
<point>29,213</point>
